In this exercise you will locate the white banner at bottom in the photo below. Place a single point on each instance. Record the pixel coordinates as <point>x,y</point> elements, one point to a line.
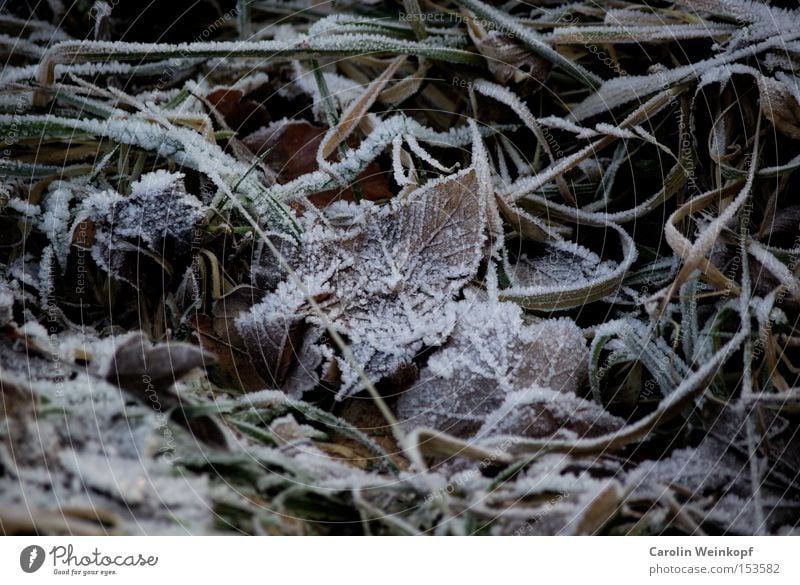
<point>364,560</point>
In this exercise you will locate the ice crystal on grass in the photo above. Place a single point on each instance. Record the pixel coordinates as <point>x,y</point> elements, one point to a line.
<point>541,412</point>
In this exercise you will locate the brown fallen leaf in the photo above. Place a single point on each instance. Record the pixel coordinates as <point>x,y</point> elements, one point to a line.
<point>389,275</point>
<point>148,372</point>
<point>524,383</point>
<point>508,60</point>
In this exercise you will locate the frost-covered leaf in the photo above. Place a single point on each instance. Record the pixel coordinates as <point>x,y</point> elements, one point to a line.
<point>560,262</point>
<point>273,331</point>
<point>491,355</point>
<point>158,216</point>
<point>385,276</point>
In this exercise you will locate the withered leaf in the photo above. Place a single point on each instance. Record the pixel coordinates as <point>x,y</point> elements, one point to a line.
<point>149,371</point>
<point>510,61</point>
<point>385,277</point>
<point>273,338</point>
<point>140,367</point>
<point>486,378</point>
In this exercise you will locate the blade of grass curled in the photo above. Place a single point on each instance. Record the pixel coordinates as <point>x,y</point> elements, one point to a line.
<point>567,295</point>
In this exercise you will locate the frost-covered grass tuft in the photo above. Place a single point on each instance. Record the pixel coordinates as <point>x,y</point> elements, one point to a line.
<point>459,267</point>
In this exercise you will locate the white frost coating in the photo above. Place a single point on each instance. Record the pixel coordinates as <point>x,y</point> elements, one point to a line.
<point>46,280</point>
<point>601,279</point>
<point>509,98</point>
<point>24,208</point>
<point>612,130</point>
<point>264,398</point>
<point>425,155</point>
<point>155,183</point>
<point>775,266</point>
<point>397,163</point>
<point>790,82</point>
<point>180,144</point>
<point>55,221</point>
<point>563,124</point>
<point>491,354</point>
<point>541,412</point>
<point>12,75</point>
<point>622,90</point>
<point>637,33</point>
<point>342,89</point>
<point>158,209</point>
<point>6,303</point>
<point>564,263</point>
<point>134,482</point>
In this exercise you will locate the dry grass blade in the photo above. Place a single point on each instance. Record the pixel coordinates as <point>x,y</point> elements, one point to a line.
<point>350,118</point>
